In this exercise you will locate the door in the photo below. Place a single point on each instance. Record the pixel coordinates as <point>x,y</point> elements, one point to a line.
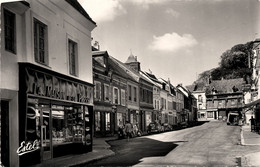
<point>4,128</point>
<point>45,114</point>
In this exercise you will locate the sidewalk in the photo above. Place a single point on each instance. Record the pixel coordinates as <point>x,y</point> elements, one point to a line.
<point>100,150</point>
<point>249,138</point>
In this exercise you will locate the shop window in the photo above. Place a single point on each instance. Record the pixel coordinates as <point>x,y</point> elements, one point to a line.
<point>63,124</point>
<point>40,42</point>
<point>107,121</point>
<point>97,122</point>
<point>106,92</point>
<point>73,57</point>
<point>122,97</point>
<point>116,96</point>
<point>119,119</point>
<point>9,28</point>
<point>97,90</point>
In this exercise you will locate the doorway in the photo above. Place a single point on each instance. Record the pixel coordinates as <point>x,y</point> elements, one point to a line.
<point>4,122</point>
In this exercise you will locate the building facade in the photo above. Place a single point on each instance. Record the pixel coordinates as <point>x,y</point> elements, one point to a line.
<point>46,81</point>
<point>223,97</point>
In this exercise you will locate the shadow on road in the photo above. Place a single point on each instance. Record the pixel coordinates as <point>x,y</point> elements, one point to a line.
<point>129,153</point>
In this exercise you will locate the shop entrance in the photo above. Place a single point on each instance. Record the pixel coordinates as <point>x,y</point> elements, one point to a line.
<point>46,143</point>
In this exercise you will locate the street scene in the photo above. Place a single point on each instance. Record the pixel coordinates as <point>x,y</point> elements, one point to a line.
<point>209,144</point>
<point>129,83</point>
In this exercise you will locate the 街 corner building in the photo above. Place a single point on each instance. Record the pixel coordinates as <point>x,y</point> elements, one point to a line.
<point>46,81</point>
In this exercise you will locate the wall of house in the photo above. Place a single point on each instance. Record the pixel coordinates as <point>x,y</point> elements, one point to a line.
<point>131,104</point>
<point>61,27</point>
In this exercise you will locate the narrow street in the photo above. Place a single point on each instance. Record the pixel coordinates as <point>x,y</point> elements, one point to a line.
<point>213,143</point>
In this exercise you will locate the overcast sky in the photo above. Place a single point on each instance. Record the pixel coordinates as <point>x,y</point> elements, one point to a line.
<point>176,39</point>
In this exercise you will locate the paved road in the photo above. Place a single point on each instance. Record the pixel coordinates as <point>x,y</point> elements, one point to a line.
<point>211,144</point>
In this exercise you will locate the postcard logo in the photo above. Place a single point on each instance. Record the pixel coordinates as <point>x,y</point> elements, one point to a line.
<point>27,147</point>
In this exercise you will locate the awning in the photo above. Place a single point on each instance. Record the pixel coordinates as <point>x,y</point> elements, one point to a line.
<point>252,103</point>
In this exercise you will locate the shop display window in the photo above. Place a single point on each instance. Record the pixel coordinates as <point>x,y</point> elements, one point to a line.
<point>97,121</point>
<point>61,124</point>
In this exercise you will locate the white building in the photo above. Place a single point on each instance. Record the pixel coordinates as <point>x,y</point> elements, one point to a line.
<point>46,77</point>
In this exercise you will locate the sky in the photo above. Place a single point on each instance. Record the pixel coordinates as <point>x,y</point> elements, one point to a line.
<point>175,39</point>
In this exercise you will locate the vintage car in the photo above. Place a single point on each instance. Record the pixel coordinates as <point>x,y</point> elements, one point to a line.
<point>154,128</point>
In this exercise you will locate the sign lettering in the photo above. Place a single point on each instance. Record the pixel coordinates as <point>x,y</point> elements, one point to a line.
<point>27,147</point>
<point>41,84</point>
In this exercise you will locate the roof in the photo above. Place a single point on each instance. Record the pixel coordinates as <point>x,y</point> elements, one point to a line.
<point>144,76</point>
<point>99,53</point>
<point>226,86</point>
<point>133,74</point>
<point>75,4</point>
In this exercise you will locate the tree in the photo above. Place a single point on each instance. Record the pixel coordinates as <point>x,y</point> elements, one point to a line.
<point>234,63</point>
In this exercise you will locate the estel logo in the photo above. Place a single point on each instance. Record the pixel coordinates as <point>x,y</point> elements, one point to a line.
<point>27,147</point>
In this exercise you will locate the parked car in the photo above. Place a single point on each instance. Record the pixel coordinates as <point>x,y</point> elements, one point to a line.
<point>154,128</point>
<point>233,118</point>
<point>167,127</point>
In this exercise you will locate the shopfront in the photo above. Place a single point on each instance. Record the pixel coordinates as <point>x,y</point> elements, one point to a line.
<point>55,115</point>
<point>104,120</point>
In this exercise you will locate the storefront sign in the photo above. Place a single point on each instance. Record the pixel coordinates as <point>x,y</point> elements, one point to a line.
<point>27,147</point>
<point>46,85</point>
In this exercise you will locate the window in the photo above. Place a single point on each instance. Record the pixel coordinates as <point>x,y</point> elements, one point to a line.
<point>40,42</point>
<point>200,98</point>
<point>72,57</point>
<point>97,121</point>
<point>129,92</point>
<point>200,106</point>
<point>116,96</point>
<point>97,90</point>
<point>233,102</point>
<point>210,114</point>
<point>106,92</point>
<point>135,94</point>
<point>107,121</point>
<point>9,26</point>
<point>122,97</point>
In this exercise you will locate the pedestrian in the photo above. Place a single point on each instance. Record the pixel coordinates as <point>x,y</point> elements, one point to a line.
<point>128,129</point>
<point>252,121</point>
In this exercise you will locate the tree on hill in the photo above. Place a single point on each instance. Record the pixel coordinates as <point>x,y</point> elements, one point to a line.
<point>234,63</point>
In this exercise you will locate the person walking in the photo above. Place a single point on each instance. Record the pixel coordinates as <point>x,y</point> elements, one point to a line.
<point>128,130</point>
<point>252,122</point>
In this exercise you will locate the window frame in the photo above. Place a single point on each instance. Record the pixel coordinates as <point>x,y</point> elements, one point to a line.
<point>73,69</point>
<point>36,46</point>
<point>135,94</point>
<point>95,90</point>
<point>118,95</point>
<point>123,99</point>
<point>130,92</point>
<point>106,92</point>
<point>13,31</point>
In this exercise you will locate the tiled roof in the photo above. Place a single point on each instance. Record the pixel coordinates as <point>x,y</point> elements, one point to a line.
<point>80,9</point>
<point>134,75</point>
<point>226,86</point>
